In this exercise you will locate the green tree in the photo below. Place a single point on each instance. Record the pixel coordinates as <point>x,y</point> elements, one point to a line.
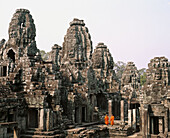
<point>119,69</point>
<point>142,73</point>
<point>44,55</point>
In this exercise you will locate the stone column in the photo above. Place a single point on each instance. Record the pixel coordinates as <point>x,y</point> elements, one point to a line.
<point>128,104</point>
<point>134,119</point>
<point>149,125</point>
<point>0,71</point>
<point>166,122</point>
<point>122,111</point>
<point>110,108</point>
<point>73,115</point>
<point>41,124</point>
<point>48,120</point>
<point>152,130</point>
<point>160,125</point>
<point>144,121</point>
<point>130,117</point>
<point>80,115</point>
<point>143,125</point>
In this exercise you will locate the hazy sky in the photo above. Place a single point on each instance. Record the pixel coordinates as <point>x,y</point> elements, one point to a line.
<point>133,30</point>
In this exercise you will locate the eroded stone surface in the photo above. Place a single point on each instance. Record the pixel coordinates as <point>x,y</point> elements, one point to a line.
<point>76,87</point>
<point>154,99</point>
<point>130,81</point>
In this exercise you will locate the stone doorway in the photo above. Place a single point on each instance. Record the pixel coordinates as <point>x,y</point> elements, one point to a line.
<point>154,125</point>
<point>76,115</point>
<point>102,102</point>
<point>10,129</point>
<point>4,71</point>
<point>83,114</point>
<point>33,118</point>
<point>11,55</point>
<point>116,109</point>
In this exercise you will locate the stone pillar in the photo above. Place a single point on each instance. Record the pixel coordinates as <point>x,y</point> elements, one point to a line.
<point>128,104</point>
<point>160,125</point>
<point>149,125</point>
<point>1,132</point>
<point>134,119</point>
<point>115,108</point>
<point>168,119</point>
<point>94,100</point>
<point>73,115</point>
<point>122,111</point>
<point>41,124</point>
<point>80,115</point>
<point>110,108</point>
<point>48,120</point>
<point>0,71</point>
<point>130,117</point>
<point>166,122</point>
<point>152,130</point>
<point>144,121</point>
<point>140,119</point>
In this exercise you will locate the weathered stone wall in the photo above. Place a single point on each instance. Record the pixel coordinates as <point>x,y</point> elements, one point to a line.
<point>77,44</point>
<point>154,99</point>
<point>74,86</point>
<point>130,82</point>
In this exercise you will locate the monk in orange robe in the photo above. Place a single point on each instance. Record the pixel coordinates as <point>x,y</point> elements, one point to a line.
<point>106,120</point>
<point>112,120</point>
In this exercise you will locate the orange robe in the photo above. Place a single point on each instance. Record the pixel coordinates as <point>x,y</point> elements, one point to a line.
<point>112,120</point>
<point>106,120</point>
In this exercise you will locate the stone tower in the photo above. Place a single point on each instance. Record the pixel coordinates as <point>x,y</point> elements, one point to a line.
<point>77,45</point>
<point>130,78</point>
<point>22,34</point>
<point>155,88</point>
<point>102,62</point>
<point>155,99</point>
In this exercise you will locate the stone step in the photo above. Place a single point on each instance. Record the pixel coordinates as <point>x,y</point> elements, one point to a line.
<point>88,124</point>
<point>43,133</point>
<point>40,136</point>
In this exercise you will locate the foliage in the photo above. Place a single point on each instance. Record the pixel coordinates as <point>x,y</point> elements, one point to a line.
<point>119,69</point>
<point>143,79</point>
<point>44,55</point>
<point>142,73</point>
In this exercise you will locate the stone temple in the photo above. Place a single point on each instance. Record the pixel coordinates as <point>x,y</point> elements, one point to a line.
<point>69,94</point>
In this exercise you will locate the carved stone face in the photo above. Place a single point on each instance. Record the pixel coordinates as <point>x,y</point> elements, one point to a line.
<point>71,53</point>
<point>157,75</point>
<point>127,79</point>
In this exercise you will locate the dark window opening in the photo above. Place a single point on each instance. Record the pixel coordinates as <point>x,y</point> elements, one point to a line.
<point>33,118</point>
<point>101,102</point>
<point>154,125</point>
<point>76,114</point>
<point>116,109</point>
<point>4,70</point>
<point>11,55</point>
<point>10,119</point>
<point>83,114</point>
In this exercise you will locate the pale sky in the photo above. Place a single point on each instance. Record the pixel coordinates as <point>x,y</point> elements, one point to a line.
<point>133,30</point>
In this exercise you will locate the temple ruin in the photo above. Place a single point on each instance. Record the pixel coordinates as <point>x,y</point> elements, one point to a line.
<point>69,94</point>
